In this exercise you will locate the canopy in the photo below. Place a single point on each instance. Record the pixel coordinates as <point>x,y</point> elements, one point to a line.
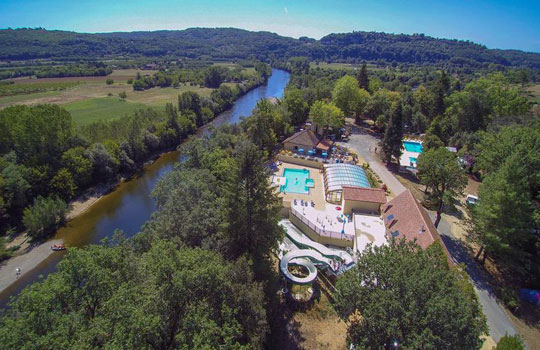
<point>340,174</point>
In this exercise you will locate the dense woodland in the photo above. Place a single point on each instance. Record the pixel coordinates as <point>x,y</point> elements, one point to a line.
<point>231,44</point>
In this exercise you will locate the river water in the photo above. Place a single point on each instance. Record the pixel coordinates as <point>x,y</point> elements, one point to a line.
<point>129,205</point>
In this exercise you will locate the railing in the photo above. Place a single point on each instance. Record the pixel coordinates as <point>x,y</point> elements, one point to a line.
<point>321,231</point>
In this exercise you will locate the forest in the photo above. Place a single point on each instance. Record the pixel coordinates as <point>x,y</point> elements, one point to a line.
<point>233,44</point>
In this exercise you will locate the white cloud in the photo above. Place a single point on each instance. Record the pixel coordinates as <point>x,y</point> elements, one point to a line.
<point>286,10</point>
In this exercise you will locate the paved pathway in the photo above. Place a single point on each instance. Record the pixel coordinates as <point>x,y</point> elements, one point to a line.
<point>499,324</point>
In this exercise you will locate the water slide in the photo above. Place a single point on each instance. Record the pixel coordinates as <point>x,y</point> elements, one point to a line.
<point>303,241</point>
<point>307,258</point>
<point>304,258</point>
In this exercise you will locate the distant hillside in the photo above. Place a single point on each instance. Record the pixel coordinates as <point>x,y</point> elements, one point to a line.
<point>230,43</point>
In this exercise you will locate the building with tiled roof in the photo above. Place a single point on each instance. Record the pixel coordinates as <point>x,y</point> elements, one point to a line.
<point>404,217</point>
<point>305,139</point>
<point>362,199</point>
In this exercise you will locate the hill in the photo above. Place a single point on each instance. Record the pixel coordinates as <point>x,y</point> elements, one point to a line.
<point>231,43</point>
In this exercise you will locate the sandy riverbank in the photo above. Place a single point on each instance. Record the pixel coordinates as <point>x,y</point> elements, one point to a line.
<point>82,203</point>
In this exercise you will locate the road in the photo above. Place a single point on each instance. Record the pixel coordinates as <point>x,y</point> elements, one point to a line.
<point>499,323</point>
<point>361,141</point>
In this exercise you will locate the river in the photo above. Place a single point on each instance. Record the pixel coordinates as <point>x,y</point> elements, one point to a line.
<point>129,205</point>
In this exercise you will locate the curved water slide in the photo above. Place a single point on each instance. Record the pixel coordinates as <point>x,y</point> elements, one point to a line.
<point>304,258</point>
<point>307,258</point>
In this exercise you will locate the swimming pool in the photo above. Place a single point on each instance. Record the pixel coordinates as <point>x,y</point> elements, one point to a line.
<point>412,146</point>
<point>297,181</point>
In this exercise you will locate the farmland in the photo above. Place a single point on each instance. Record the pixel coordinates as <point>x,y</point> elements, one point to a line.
<point>89,99</point>
<point>39,86</point>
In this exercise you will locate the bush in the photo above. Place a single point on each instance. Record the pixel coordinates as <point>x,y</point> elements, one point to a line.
<point>510,342</point>
<point>130,81</point>
<point>44,215</point>
<point>509,297</point>
<point>109,81</point>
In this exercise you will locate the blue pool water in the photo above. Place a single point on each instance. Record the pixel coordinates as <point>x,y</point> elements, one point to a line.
<point>413,146</point>
<point>414,160</point>
<point>297,181</point>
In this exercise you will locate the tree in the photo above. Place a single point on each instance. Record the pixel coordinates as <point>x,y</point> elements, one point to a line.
<point>105,166</point>
<point>214,76</point>
<point>296,105</point>
<point>44,215</point>
<point>393,135</point>
<point>37,134</point>
<point>191,101</point>
<point>261,126</point>
<point>439,170</point>
<point>382,102</point>
<point>327,115</point>
<point>122,95</point>
<point>252,207</point>
<point>63,184</point>
<point>75,160</point>
<point>405,294</point>
<point>362,77</point>
<point>346,96</point>
<point>503,218</point>
<point>109,81</point>
<point>510,342</point>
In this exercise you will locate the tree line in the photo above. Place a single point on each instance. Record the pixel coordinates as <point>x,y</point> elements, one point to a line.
<point>230,44</point>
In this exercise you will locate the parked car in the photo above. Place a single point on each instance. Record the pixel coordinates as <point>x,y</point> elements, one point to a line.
<point>471,200</point>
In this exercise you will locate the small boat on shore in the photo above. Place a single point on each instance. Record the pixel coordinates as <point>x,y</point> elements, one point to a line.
<point>58,247</point>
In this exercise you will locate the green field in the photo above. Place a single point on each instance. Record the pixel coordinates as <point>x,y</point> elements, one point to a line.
<point>101,108</point>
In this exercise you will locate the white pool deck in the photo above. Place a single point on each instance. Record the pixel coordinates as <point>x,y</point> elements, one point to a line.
<point>404,159</point>
<point>330,219</point>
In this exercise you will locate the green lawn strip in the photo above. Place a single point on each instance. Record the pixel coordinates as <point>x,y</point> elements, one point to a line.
<point>101,108</point>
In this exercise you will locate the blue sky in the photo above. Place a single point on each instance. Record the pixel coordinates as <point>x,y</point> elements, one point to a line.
<point>494,23</point>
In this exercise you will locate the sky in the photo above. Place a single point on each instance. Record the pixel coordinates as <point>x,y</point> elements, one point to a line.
<point>505,24</point>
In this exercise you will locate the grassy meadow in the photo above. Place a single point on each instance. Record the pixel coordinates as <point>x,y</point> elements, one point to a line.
<point>100,108</point>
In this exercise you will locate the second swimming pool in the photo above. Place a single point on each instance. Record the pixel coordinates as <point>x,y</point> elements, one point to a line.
<point>297,181</point>
<point>412,146</point>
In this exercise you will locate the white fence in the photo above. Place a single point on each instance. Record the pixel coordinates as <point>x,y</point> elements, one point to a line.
<point>320,231</point>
